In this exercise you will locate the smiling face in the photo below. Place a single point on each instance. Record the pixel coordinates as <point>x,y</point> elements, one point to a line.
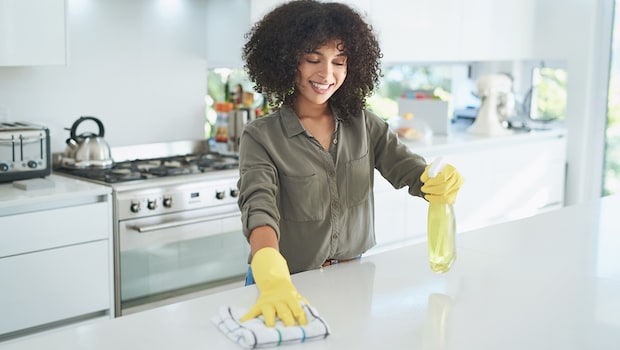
<point>320,73</point>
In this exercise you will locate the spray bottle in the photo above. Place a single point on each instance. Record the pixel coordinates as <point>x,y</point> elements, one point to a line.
<point>441,229</point>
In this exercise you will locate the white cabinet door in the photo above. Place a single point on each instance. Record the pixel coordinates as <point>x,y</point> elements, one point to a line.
<point>417,30</point>
<point>55,284</point>
<point>502,182</point>
<point>259,8</point>
<point>497,30</point>
<point>39,230</point>
<point>389,211</point>
<point>454,30</point>
<point>32,32</point>
<point>509,182</point>
<point>56,264</point>
<point>444,30</point>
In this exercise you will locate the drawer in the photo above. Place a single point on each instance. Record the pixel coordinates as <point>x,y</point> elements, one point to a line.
<point>54,285</point>
<point>28,232</point>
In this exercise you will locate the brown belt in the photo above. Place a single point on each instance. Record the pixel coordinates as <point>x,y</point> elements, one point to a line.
<point>329,262</point>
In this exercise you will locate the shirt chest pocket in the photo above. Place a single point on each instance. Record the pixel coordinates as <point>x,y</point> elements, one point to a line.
<point>302,198</point>
<point>358,180</point>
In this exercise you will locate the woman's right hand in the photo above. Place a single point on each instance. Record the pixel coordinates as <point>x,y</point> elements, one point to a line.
<point>278,296</point>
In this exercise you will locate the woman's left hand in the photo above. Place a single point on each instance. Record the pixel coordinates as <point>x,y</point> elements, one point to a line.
<point>442,188</point>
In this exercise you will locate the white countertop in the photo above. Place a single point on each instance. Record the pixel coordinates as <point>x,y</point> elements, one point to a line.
<point>461,141</point>
<point>546,282</point>
<point>59,190</point>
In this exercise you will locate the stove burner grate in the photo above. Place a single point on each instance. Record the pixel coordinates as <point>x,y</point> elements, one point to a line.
<point>140,169</point>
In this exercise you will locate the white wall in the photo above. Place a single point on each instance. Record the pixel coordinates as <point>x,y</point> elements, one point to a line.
<point>228,21</point>
<point>137,65</point>
<point>579,31</point>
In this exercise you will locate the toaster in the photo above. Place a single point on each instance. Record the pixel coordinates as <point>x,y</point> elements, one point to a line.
<point>24,151</point>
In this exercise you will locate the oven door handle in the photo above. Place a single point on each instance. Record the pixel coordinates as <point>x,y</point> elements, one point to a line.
<point>166,225</point>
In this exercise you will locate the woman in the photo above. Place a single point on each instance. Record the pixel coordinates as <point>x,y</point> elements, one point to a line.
<point>306,171</point>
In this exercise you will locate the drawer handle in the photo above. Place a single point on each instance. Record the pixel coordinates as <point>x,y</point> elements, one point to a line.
<point>150,228</point>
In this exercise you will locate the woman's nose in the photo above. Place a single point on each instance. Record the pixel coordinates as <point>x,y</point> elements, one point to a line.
<point>325,70</point>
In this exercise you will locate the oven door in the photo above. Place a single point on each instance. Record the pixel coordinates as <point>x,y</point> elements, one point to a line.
<point>166,256</point>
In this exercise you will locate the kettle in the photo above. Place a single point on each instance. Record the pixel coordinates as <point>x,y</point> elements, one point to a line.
<point>87,150</point>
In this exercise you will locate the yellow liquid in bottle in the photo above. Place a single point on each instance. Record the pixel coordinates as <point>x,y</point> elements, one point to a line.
<point>441,237</point>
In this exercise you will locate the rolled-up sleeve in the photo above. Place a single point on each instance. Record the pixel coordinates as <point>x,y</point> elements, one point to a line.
<point>394,160</point>
<point>258,185</point>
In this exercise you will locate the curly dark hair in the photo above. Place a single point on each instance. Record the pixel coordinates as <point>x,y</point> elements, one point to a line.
<point>276,43</point>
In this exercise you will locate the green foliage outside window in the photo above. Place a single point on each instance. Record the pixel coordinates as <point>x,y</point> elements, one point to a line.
<point>611,181</point>
<point>549,94</point>
<point>399,79</point>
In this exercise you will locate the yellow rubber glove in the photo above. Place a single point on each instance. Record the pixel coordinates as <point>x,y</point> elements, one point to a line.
<point>441,189</point>
<point>278,296</point>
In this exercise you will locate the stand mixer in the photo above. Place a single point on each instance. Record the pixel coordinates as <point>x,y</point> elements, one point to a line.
<point>497,104</point>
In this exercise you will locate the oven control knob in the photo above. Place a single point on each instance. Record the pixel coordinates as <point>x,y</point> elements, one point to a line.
<point>167,202</point>
<point>32,164</point>
<point>4,167</point>
<point>220,194</point>
<point>234,192</point>
<point>151,204</point>
<point>135,207</point>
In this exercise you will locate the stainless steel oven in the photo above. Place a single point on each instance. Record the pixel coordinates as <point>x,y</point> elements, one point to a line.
<point>177,227</point>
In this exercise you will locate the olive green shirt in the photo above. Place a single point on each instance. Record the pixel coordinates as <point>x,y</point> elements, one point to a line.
<point>320,203</point>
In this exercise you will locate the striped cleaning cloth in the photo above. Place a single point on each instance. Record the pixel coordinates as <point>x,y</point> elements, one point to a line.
<point>253,334</point>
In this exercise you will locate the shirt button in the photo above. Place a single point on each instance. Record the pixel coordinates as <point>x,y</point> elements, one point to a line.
<point>335,141</point>
<point>335,236</point>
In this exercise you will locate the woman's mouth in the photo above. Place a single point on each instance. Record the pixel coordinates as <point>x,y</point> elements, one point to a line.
<point>321,88</point>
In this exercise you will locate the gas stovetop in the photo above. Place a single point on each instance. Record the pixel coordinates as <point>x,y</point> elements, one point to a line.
<point>144,162</point>
<point>141,169</point>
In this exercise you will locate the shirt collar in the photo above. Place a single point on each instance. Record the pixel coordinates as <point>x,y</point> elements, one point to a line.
<point>291,122</point>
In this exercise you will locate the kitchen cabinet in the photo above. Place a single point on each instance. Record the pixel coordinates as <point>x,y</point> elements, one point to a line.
<point>443,31</point>
<point>497,30</point>
<point>389,211</point>
<point>417,30</point>
<point>454,30</point>
<point>259,8</point>
<point>55,256</point>
<point>506,178</point>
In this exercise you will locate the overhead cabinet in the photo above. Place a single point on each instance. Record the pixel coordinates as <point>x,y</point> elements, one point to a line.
<point>445,30</point>
<point>497,30</point>
<point>417,30</point>
<point>454,30</point>
<point>32,32</point>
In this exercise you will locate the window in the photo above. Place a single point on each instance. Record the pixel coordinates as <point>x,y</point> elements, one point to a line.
<point>401,80</point>
<point>611,170</point>
<point>548,95</point>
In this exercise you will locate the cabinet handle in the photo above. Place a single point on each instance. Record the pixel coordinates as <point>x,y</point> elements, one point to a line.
<point>150,228</point>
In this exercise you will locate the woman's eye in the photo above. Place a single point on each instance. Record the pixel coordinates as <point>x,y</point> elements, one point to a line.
<point>312,61</point>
